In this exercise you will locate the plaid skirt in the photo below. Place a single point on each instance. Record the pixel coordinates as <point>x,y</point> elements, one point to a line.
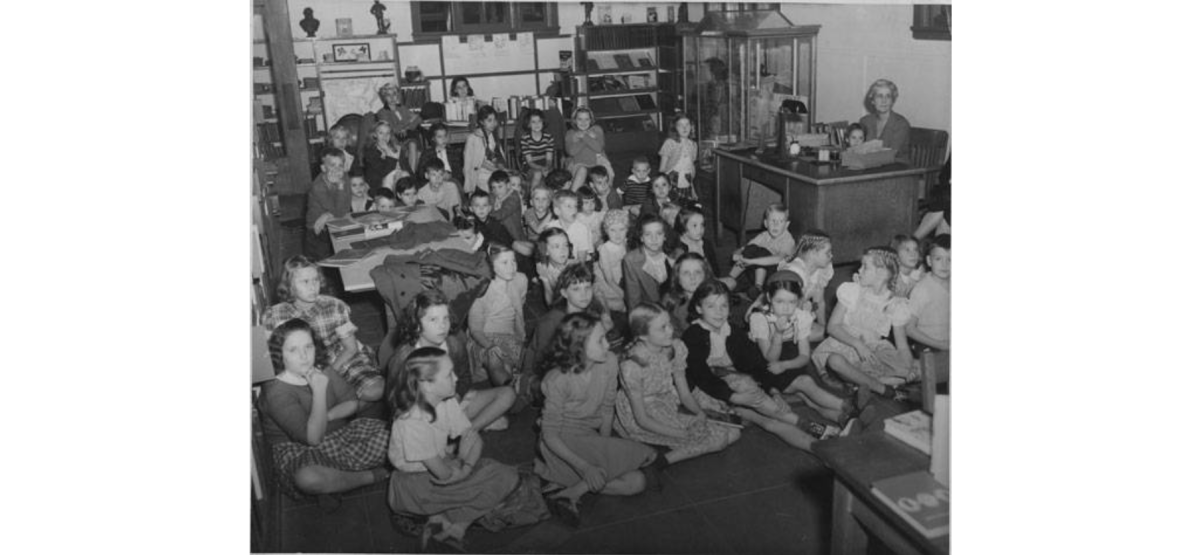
<point>360,445</point>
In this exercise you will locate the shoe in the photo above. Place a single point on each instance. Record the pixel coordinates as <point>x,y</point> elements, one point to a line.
<point>498,425</point>
<point>562,508</point>
<point>820,431</point>
<point>753,292</point>
<point>428,531</point>
<point>408,525</point>
<point>851,428</point>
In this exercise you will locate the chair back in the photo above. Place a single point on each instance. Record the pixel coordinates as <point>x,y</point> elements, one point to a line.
<point>927,147</point>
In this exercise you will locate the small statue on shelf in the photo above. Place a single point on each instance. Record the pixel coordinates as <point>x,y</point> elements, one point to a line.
<point>310,24</point>
<point>377,10</point>
<point>587,13</point>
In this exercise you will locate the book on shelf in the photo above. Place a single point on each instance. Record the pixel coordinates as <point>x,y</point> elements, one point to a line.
<point>919,499</point>
<point>645,102</point>
<point>913,428</point>
<point>638,81</point>
<point>624,61</point>
<point>628,104</point>
<point>645,61</point>
<point>593,65</point>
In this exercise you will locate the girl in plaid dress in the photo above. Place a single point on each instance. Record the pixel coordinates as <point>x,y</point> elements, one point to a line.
<point>329,317</point>
<point>317,444</point>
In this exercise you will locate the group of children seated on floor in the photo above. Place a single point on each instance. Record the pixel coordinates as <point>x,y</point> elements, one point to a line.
<point>637,339</point>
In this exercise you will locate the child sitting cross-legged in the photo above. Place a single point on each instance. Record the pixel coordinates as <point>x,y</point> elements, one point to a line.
<point>450,482</point>
<point>578,453</point>
<point>425,322</point>
<point>766,250</point>
<point>654,388</point>
<point>713,346</point>
<point>300,290</point>
<point>857,349</point>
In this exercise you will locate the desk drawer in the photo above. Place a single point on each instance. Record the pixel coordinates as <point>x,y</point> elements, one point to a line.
<point>770,179</point>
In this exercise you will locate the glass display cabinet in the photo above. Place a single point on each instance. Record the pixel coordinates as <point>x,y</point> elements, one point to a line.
<point>738,67</point>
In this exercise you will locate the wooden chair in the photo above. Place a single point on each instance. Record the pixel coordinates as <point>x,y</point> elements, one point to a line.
<point>927,149</point>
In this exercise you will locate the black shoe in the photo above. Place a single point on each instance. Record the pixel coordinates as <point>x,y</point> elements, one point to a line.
<point>562,508</point>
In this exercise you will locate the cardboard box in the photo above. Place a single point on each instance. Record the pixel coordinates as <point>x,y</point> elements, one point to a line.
<point>860,161</point>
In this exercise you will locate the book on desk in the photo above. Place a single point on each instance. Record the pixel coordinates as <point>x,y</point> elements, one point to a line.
<point>913,428</point>
<point>919,499</point>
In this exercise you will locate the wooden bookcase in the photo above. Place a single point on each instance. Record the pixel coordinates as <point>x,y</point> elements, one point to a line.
<point>628,75</point>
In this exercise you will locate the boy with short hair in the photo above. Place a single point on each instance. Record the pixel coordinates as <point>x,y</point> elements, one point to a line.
<point>452,161</point>
<point>766,250</point>
<point>506,202</point>
<point>385,200</point>
<point>636,190</point>
<point>557,179</point>
<point>437,192</point>
<point>566,218</point>
<point>601,183</point>
<point>328,198</point>
<point>929,302</point>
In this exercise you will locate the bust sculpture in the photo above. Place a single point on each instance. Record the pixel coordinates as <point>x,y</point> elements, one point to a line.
<point>310,24</point>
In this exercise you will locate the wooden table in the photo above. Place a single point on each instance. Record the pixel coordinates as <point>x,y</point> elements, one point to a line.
<point>857,208</point>
<point>857,462</point>
<point>356,278</point>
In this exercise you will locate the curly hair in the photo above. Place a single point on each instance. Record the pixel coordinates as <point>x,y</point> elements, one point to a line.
<point>568,347</point>
<point>281,333</point>
<point>577,272</point>
<point>408,323</point>
<point>892,88</point>
<point>420,366</point>
<point>290,266</point>
<point>886,258</point>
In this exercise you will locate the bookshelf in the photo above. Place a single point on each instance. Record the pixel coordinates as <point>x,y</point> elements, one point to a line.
<point>286,97</point>
<point>627,74</point>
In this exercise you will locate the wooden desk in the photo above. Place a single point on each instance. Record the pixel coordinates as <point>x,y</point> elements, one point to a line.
<point>857,208</point>
<point>857,462</point>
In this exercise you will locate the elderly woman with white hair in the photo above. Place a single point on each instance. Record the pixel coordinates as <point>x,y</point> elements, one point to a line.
<point>881,122</point>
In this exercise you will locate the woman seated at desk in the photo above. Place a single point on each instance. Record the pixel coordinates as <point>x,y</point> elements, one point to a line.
<point>461,104</point>
<point>882,123</point>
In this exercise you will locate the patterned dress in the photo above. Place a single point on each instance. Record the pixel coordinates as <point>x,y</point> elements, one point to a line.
<point>870,317</point>
<point>330,318</point>
<point>656,381</point>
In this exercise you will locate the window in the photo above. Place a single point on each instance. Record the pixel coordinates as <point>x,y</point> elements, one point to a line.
<point>433,19</point>
<point>739,6</point>
<point>931,22</point>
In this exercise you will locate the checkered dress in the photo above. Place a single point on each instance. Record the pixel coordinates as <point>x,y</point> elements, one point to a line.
<point>360,445</point>
<point>325,316</point>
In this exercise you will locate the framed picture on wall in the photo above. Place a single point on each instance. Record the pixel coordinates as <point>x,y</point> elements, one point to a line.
<point>931,22</point>
<point>351,52</point>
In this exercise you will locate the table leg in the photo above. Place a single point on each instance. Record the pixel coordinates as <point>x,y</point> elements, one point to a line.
<point>848,535</point>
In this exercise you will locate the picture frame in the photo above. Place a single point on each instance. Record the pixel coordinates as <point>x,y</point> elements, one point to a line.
<point>351,52</point>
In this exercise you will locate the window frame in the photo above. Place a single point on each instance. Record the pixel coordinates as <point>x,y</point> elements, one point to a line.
<point>512,25</point>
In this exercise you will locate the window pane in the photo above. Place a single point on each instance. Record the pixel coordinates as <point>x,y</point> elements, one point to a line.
<point>532,12</point>
<point>497,12</point>
<point>472,13</point>
<point>433,8</point>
